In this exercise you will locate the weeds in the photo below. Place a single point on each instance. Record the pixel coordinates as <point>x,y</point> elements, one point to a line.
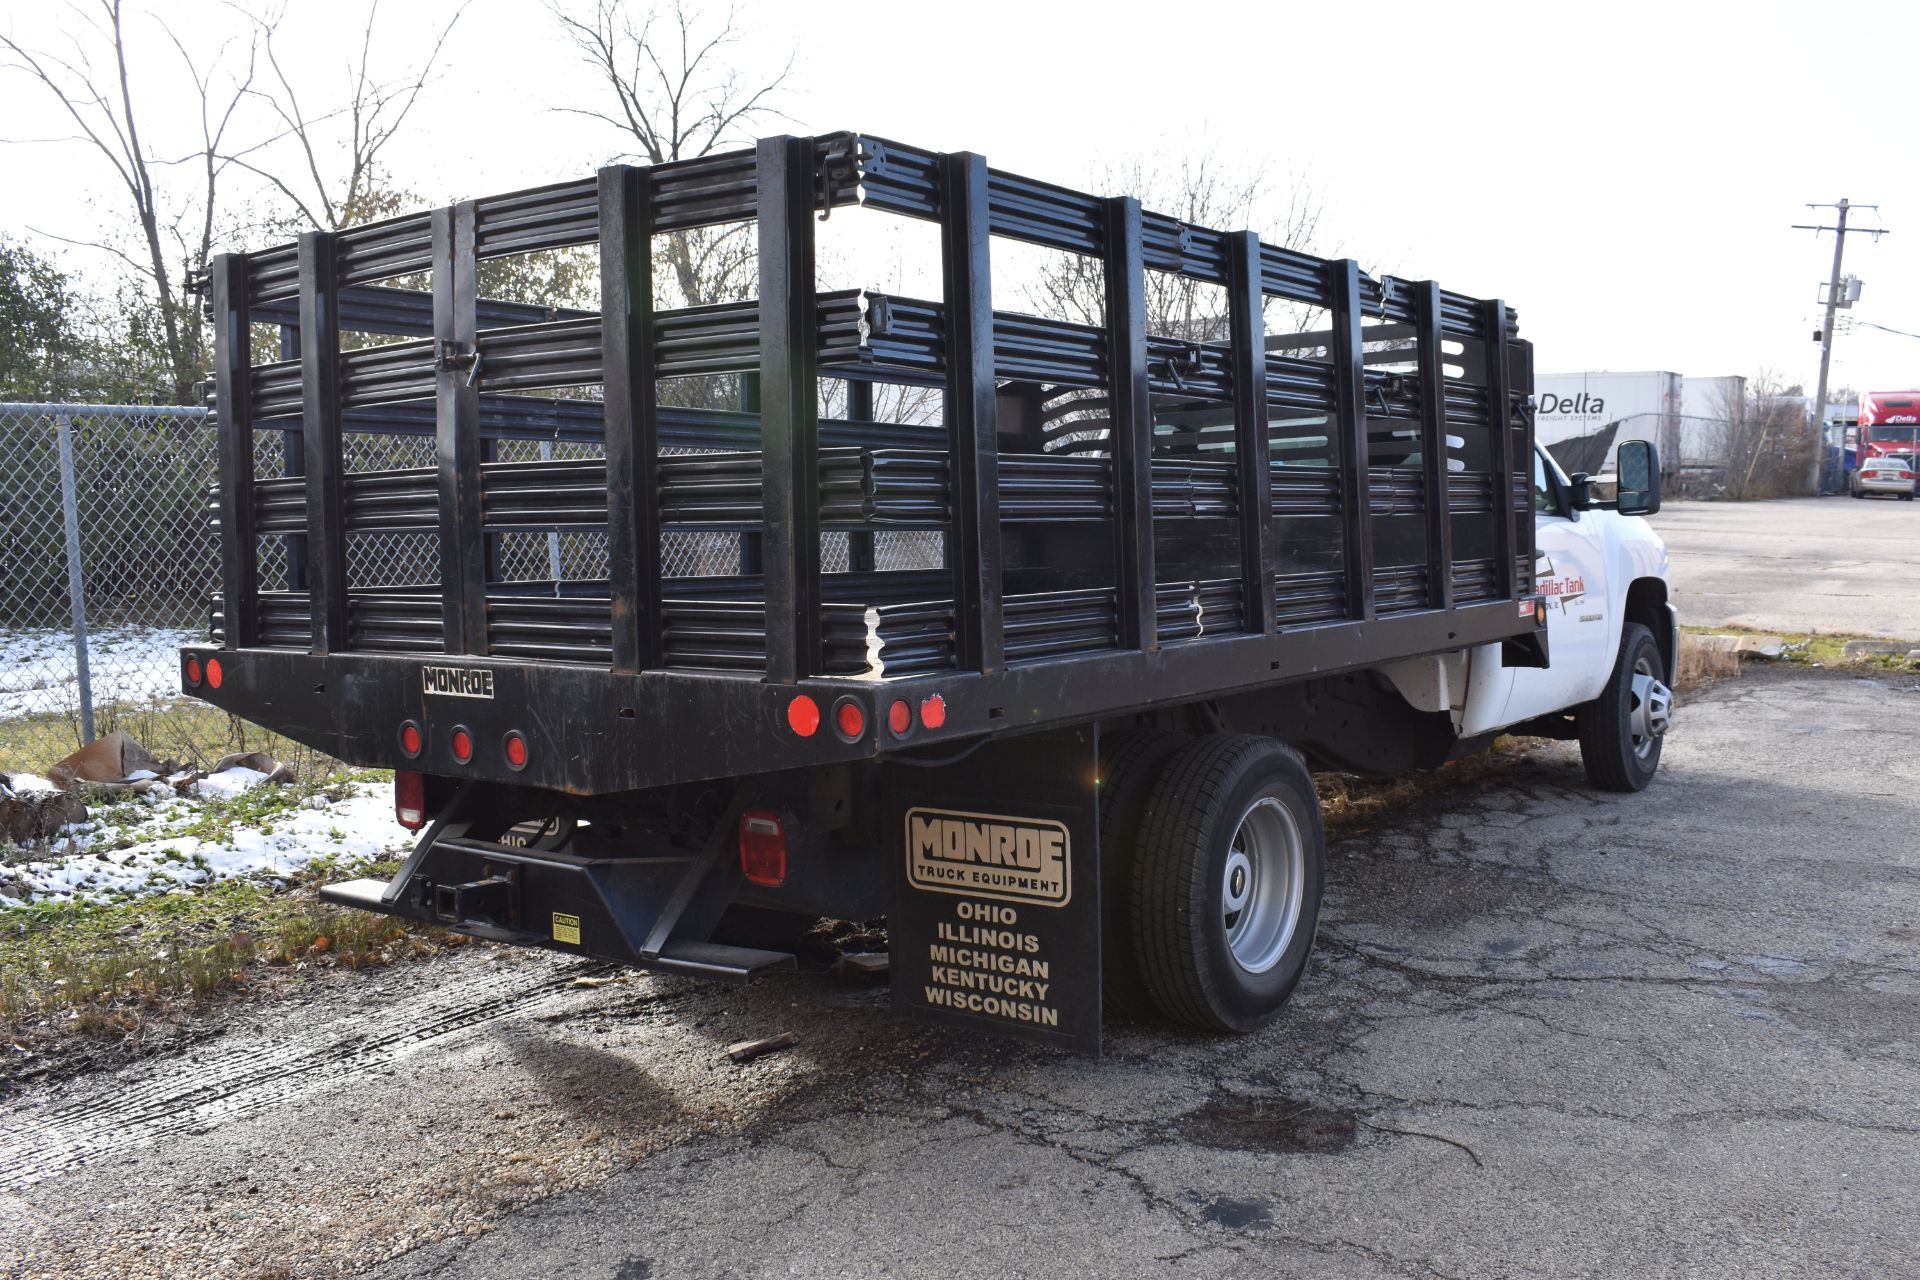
<point>104,969</point>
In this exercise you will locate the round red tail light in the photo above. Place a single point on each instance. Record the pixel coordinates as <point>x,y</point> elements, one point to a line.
<point>803,716</point>
<point>194,674</point>
<point>933,711</point>
<point>412,742</point>
<point>515,748</point>
<point>214,674</point>
<point>850,720</point>
<point>900,718</point>
<point>462,745</point>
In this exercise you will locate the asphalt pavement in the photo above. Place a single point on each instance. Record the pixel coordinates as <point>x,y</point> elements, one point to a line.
<point>1547,1032</point>
<point>1832,565</point>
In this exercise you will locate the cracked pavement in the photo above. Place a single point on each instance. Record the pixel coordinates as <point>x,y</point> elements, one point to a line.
<point>1547,1032</point>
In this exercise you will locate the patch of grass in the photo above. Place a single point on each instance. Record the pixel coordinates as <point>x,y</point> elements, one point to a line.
<point>1812,648</point>
<point>103,969</point>
<point>185,729</point>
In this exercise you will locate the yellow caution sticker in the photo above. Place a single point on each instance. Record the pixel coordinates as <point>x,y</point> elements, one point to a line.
<point>566,928</point>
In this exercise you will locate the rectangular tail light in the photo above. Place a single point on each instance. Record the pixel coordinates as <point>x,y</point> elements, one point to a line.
<point>410,799</point>
<point>763,848</point>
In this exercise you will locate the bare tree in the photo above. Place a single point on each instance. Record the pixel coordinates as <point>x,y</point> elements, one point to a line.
<point>176,229</point>
<point>1201,189</point>
<point>371,117</point>
<point>180,202</point>
<point>1763,439</point>
<point>677,94</point>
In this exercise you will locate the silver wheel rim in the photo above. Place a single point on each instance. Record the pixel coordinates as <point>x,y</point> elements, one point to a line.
<point>1651,712</point>
<point>1262,885</point>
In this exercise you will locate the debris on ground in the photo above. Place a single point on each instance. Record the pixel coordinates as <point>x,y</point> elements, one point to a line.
<point>1744,646</point>
<point>33,809</point>
<point>748,1050</point>
<point>861,964</point>
<point>113,760</point>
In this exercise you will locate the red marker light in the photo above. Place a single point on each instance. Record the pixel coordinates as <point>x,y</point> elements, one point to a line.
<point>850,720</point>
<point>410,799</point>
<point>763,848</point>
<point>462,745</point>
<point>516,750</point>
<point>411,740</point>
<point>933,711</point>
<point>803,716</point>
<point>194,674</point>
<point>900,718</point>
<point>214,674</point>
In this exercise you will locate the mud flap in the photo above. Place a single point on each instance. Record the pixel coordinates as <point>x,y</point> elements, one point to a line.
<point>995,920</point>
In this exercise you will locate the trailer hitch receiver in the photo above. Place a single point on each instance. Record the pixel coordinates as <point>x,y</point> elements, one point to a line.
<point>494,899</point>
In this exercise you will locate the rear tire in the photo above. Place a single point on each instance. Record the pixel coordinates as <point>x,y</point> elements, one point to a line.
<point>1228,876</point>
<point>1621,731</point>
<point>1130,761</point>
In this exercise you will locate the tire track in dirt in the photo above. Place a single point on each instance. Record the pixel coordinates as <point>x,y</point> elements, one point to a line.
<point>262,1068</point>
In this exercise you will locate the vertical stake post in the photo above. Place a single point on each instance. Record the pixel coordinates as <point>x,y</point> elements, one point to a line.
<point>1252,448</point>
<point>463,544</point>
<point>632,418</point>
<point>790,407</point>
<point>972,414</point>
<point>233,395</point>
<point>320,424</point>
<point>1350,422</point>
<point>1431,367</point>
<point>1493,316</point>
<point>1130,426</point>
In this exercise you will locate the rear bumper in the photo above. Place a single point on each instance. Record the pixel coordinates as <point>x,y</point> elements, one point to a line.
<point>1862,484</point>
<point>590,731</point>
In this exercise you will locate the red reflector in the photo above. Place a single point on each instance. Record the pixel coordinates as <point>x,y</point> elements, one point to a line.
<point>516,749</point>
<point>214,674</point>
<point>900,718</point>
<point>850,720</point>
<point>763,848</point>
<point>410,740</point>
<point>803,716</point>
<point>462,745</point>
<point>193,671</point>
<point>410,799</point>
<point>933,711</point>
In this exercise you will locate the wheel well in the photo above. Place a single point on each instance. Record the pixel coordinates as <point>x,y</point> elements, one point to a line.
<point>1647,605</point>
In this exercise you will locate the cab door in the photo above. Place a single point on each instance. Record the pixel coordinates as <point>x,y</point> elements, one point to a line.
<point>1570,570</point>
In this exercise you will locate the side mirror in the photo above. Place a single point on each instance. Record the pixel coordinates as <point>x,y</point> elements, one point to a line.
<point>1639,478</point>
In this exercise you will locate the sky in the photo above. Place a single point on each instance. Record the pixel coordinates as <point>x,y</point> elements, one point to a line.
<point>1625,175</point>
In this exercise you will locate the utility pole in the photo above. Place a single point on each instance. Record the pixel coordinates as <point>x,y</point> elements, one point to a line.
<point>1826,329</point>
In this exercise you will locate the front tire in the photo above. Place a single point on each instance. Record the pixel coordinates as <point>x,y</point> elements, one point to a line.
<point>1622,730</point>
<point>1228,876</point>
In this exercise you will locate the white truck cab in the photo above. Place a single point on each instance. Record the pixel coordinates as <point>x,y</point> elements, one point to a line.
<point>1612,633</point>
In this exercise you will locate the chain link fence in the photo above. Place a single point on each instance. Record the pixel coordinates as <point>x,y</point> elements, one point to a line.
<point>109,561</point>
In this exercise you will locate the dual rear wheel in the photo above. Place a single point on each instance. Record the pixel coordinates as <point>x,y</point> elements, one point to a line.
<point>1216,862</point>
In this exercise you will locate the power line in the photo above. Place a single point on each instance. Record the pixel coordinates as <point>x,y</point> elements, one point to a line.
<point>1850,322</point>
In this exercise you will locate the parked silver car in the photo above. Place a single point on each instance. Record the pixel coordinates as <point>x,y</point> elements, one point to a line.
<point>1892,474</point>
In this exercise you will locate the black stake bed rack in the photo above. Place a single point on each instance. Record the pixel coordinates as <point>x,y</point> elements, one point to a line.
<point>1121,519</point>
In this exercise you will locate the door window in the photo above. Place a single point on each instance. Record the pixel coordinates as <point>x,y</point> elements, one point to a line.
<point>1546,494</point>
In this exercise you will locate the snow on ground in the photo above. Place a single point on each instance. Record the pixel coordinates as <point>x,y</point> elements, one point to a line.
<point>181,842</point>
<point>38,671</point>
